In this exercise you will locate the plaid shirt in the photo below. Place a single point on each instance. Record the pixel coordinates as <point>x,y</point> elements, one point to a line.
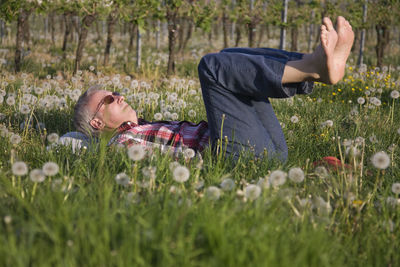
<point>173,135</point>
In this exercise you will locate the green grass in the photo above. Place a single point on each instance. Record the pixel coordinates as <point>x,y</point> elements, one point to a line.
<point>82,217</point>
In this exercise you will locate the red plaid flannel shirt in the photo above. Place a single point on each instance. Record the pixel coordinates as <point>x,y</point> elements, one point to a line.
<point>168,135</point>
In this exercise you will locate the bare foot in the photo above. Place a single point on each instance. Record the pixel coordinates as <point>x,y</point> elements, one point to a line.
<point>331,55</point>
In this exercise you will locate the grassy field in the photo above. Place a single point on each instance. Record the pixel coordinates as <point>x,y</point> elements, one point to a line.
<point>100,207</point>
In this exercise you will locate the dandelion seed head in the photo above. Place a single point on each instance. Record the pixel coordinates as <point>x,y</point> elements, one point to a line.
<point>136,152</point>
<point>394,94</point>
<point>294,119</point>
<point>15,139</point>
<point>10,101</point>
<point>181,174</point>
<point>361,100</point>
<point>189,153</point>
<point>380,160</point>
<point>392,202</point>
<point>122,179</point>
<point>19,168</point>
<point>213,193</point>
<point>227,184</point>
<point>264,183</point>
<point>296,175</point>
<point>37,176</point>
<point>321,172</point>
<point>396,188</point>
<point>158,116</point>
<point>252,192</point>
<point>50,168</point>
<point>277,178</point>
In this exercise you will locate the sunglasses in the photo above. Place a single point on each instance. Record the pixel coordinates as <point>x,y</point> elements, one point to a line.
<point>107,100</point>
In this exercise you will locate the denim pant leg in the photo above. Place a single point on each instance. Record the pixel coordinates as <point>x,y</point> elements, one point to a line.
<point>236,87</point>
<point>280,55</point>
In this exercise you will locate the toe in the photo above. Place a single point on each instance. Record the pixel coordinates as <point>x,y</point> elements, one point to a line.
<point>341,21</point>
<point>328,23</point>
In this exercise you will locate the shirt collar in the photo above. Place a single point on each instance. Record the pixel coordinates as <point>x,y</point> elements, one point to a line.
<point>129,125</point>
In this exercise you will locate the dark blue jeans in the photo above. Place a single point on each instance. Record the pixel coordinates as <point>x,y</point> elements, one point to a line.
<point>236,84</point>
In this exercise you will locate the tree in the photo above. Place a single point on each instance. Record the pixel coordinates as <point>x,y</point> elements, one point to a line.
<point>383,14</point>
<point>19,10</point>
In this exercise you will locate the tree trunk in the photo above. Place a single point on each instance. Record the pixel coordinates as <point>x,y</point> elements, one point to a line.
<point>294,37</point>
<point>27,33</point>
<point>181,29</point>
<point>188,36</point>
<point>132,32</point>
<point>158,26</point>
<point>225,28</point>
<point>111,20</point>
<point>22,18</point>
<point>138,47</point>
<point>98,31</point>
<point>238,34</point>
<point>261,35</point>
<point>251,27</point>
<point>86,22</point>
<point>283,28</point>
<point>356,39</point>
<point>1,31</point>
<point>362,38</point>
<point>66,32</point>
<point>383,35</point>
<point>52,28</point>
<point>172,32</point>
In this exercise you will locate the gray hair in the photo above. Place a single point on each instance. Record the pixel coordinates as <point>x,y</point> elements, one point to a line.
<point>82,114</point>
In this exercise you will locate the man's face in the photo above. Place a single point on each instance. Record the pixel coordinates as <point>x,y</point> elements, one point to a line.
<point>110,115</point>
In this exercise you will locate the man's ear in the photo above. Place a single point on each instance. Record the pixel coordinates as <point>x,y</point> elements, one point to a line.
<point>97,124</point>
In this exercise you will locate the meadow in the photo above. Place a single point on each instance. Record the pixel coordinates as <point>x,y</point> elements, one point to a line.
<point>109,206</point>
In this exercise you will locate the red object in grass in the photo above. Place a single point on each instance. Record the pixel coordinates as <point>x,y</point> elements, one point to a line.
<point>331,162</point>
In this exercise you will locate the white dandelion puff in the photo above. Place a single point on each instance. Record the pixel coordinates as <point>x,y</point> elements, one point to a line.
<point>50,168</point>
<point>396,188</point>
<point>328,123</point>
<point>136,152</point>
<point>380,160</point>
<point>53,138</point>
<point>122,179</point>
<point>321,172</point>
<point>264,183</point>
<point>322,206</point>
<point>189,153</point>
<point>394,94</point>
<point>213,193</point>
<point>19,168</point>
<point>277,178</point>
<point>296,175</point>
<point>252,192</point>
<point>361,100</point>
<point>373,139</point>
<point>158,116</point>
<point>10,101</point>
<point>227,184</point>
<point>392,202</point>
<point>173,165</point>
<point>192,113</point>
<point>294,119</point>
<point>1,99</point>
<point>15,139</point>
<point>181,174</point>
<point>37,176</point>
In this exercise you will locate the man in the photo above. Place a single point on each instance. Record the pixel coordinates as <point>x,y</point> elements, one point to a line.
<point>236,84</point>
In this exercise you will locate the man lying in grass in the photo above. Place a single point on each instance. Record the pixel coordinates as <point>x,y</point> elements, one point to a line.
<point>236,84</point>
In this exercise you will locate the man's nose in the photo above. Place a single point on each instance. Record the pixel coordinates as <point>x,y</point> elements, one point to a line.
<point>121,98</point>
